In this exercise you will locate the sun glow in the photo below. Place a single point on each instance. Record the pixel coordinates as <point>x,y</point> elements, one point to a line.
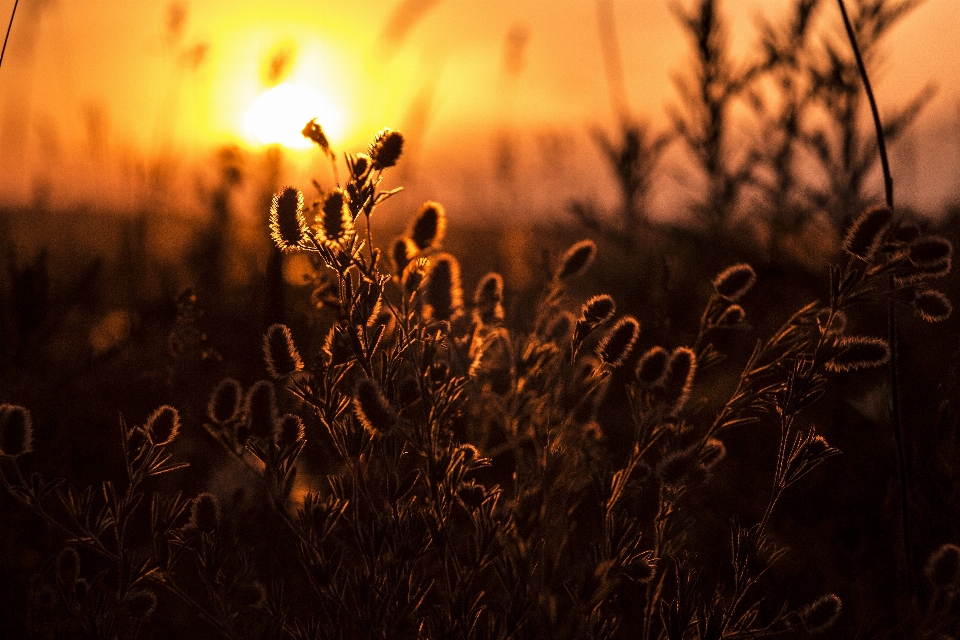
<point>279,114</point>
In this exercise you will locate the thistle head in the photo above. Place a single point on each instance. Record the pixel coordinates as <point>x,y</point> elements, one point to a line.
<point>16,430</point>
<point>224,403</point>
<point>163,425</point>
<point>279,352</point>
<point>314,131</point>
<point>335,220</point>
<point>288,226</point>
<point>386,149</point>
<point>428,226</point>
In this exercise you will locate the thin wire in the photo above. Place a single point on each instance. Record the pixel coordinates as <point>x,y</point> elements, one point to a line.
<point>9,27</point>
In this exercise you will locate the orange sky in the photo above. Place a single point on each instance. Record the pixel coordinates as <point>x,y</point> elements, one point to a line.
<point>92,93</point>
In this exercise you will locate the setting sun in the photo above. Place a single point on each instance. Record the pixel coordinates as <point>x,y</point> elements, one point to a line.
<point>278,115</point>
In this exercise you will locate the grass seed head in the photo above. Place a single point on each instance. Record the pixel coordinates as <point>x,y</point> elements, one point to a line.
<point>163,425</point>
<point>931,251</point>
<point>678,378</point>
<point>386,148</point>
<point>821,614</point>
<point>429,226</point>
<point>224,403</point>
<point>261,409</point>
<point>140,603</point>
<point>288,226</point>
<point>859,352</point>
<point>943,568</point>
<point>443,295</point>
<point>205,513</point>
<point>653,366</point>
<point>279,351</point>
<point>732,315</point>
<point>932,306</point>
<point>488,300</point>
<point>336,221</point>
<point>617,343</point>
<point>289,430</point>
<point>16,430</point>
<point>576,260</point>
<point>372,409</point>
<point>251,595</point>
<point>68,566</point>
<point>734,282</point>
<point>867,232</point>
<point>402,251</point>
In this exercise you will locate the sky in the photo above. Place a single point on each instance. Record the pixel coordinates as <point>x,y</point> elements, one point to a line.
<point>114,102</point>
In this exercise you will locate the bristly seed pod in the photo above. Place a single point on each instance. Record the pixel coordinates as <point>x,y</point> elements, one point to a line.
<point>713,452</point>
<point>414,274</point>
<point>617,343</point>
<point>733,282</point>
<point>675,469</point>
<point>867,232</point>
<point>653,366</point>
<point>576,260</point>
<point>859,352</point>
<point>163,425</point>
<point>930,251</point>
<point>205,513</point>
<point>488,300</point>
<point>336,221</point>
<point>140,603</point>
<point>429,226</point>
<point>678,379</point>
<point>402,252</point>
<point>732,315</point>
<point>16,430</point>
<point>314,132</point>
<point>359,165</point>
<point>289,430</point>
<point>372,409</point>
<point>593,313</point>
<point>443,293</point>
<point>224,403</point>
<point>279,352</point>
<point>288,226</point>
<point>821,614</point>
<point>932,306</point>
<point>261,409</point>
<point>386,148</point>
<point>943,568</point>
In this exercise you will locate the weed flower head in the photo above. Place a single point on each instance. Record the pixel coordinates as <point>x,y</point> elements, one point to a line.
<point>289,429</point>
<point>16,430</point>
<point>224,403</point>
<point>372,409</point>
<point>943,568</point>
<point>859,352</point>
<point>429,226</point>
<point>163,425</point>
<point>732,315</point>
<point>288,226</point>
<point>261,409</point>
<point>932,251</point>
<point>653,366</point>
<point>559,328</point>
<point>488,300</point>
<point>402,251</point>
<point>314,132</point>
<point>821,614</point>
<point>597,310</point>
<point>140,603</point>
<point>386,148</point>
<point>932,306</point>
<point>576,260</point>
<point>867,232</point>
<point>443,294</point>
<point>279,351</point>
<point>359,165</point>
<point>678,379</point>
<point>734,282</point>
<point>675,469</point>
<point>414,274</point>
<point>617,343</point>
<point>205,513</point>
<point>713,452</point>
<point>335,220</point>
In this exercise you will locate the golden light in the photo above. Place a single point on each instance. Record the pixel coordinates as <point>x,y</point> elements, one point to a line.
<point>279,114</point>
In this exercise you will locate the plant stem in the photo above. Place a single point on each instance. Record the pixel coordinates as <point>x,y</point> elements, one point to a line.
<point>9,27</point>
<point>891,318</point>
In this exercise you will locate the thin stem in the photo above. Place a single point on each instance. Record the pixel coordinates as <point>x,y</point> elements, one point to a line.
<point>612,62</point>
<point>9,27</point>
<point>891,317</point>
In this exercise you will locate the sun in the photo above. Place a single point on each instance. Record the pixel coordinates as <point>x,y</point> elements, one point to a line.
<point>279,114</point>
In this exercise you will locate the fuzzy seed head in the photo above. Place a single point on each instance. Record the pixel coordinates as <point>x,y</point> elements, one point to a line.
<point>359,165</point>
<point>372,409</point>
<point>617,343</point>
<point>205,513</point>
<point>386,149</point>
<point>224,403</point>
<point>429,226</point>
<point>16,430</point>
<point>81,588</point>
<point>163,425</point>
<point>943,568</point>
<point>860,352</point>
<point>402,252</point>
<point>68,566</point>
<point>140,603</point>
<point>288,226</point>
<point>289,429</point>
<point>576,260</point>
<point>867,232</point>
<point>488,300</point>
<point>597,310</point>
<point>732,315</point>
<point>678,379</point>
<point>335,219</point>
<point>279,351</point>
<point>443,294</point>
<point>314,132</point>
<point>414,274</point>
<point>733,282</point>
<point>675,469</point>
<point>933,306</point>
<point>713,452</point>
<point>559,329</point>
<point>836,326</point>
<point>930,251</point>
<point>261,409</point>
<point>906,232</point>
<point>821,614</point>
<point>252,595</point>
<point>653,366</point>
